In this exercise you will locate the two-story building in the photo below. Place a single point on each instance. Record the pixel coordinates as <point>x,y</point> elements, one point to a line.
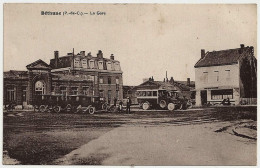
<point>68,75</point>
<point>226,74</point>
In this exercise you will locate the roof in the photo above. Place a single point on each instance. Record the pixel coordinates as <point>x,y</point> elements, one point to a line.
<point>223,57</point>
<point>39,64</point>
<point>183,85</point>
<point>16,74</point>
<point>160,84</point>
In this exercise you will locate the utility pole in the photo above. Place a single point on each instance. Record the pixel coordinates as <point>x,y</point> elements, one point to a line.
<point>73,62</point>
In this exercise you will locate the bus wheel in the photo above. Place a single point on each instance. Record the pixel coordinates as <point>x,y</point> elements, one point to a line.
<point>146,105</point>
<point>42,108</point>
<point>57,109</point>
<point>91,110</point>
<point>171,106</point>
<point>163,104</point>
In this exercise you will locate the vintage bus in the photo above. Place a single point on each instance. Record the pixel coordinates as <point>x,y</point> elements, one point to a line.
<point>159,99</point>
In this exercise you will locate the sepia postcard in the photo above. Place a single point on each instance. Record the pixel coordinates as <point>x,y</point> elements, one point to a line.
<point>129,84</point>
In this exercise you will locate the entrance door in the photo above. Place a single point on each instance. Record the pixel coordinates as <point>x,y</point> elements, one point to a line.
<point>39,88</point>
<point>203,94</point>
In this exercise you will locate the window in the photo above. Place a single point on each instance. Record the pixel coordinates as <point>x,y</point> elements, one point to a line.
<point>109,95</point>
<point>227,74</point>
<point>85,90</point>
<point>101,80</point>
<point>84,63</point>
<point>216,76</point>
<point>90,78</point>
<point>74,90</point>
<point>117,80</point>
<point>77,62</point>
<point>11,93</point>
<point>95,79</point>
<point>100,65</point>
<point>109,66</point>
<point>205,77</point>
<point>91,64</point>
<point>117,66</point>
<point>24,89</point>
<point>63,90</point>
<point>149,93</point>
<point>109,80</point>
<point>154,93</point>
<point>143,93</point>
<point>221,94</point>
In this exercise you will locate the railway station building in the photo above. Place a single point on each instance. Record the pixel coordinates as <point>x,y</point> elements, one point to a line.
<point>80,74</point>
<point>226,74</point>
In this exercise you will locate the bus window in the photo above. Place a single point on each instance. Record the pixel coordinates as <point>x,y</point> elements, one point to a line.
<point>154,93</point>
<point>143,93</point>
<point>137,93</point>
<point>149,93</point>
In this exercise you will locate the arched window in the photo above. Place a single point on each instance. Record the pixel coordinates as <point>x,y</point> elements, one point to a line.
<point>39,88</point>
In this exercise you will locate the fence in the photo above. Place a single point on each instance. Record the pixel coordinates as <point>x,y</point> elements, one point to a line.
<point>245,101</point>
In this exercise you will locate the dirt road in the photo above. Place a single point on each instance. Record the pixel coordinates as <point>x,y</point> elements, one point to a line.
<point>141,138</point>
<point>166,145</point>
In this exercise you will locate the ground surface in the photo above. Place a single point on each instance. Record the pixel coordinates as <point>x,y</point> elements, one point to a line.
<point>212,136</point>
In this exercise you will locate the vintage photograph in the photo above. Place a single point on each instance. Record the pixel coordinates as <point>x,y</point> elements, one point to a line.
<point>130,84</point>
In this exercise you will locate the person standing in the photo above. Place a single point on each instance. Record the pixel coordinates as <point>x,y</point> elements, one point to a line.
<point>120,106</point>
<point>115,100</point>
<point>128,104</point>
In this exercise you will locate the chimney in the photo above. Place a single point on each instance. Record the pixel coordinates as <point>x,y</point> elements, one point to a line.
<point>202,53</point>
<point>56,57</point>
<point>99,54</point>
<point>188,81</point>
<point>252,50</point>
<point>112,57</point>
<point>172,80</point>
<point>89,54</point>
<point>82,53</point>
<point>240,50</point>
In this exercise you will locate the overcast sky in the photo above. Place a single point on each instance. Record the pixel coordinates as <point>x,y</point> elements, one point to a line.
<point>146,39</point>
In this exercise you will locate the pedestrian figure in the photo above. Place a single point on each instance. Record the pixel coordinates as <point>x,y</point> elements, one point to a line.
<point>120,106</point>
<point>128,104</point>
<point>115,100</point>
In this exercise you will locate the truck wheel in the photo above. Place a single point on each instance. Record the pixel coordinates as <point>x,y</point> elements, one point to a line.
<point>69,108</point>
<point>146,105</point>
<point>57,109</point>
<point>42,108</point>
<point>91,110</point>
<point>104,106</point>
<point>171,106</point>
<point>163,104</point>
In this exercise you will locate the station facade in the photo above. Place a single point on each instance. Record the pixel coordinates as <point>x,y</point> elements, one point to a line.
<point>71,74</point>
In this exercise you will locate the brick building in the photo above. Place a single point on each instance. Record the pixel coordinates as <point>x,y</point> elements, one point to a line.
<point>68,75</point>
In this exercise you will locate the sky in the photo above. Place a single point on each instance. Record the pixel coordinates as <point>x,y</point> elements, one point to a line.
<point>147,39</point>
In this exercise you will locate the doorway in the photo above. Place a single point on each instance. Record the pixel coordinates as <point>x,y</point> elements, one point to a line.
<point>203,95</point>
